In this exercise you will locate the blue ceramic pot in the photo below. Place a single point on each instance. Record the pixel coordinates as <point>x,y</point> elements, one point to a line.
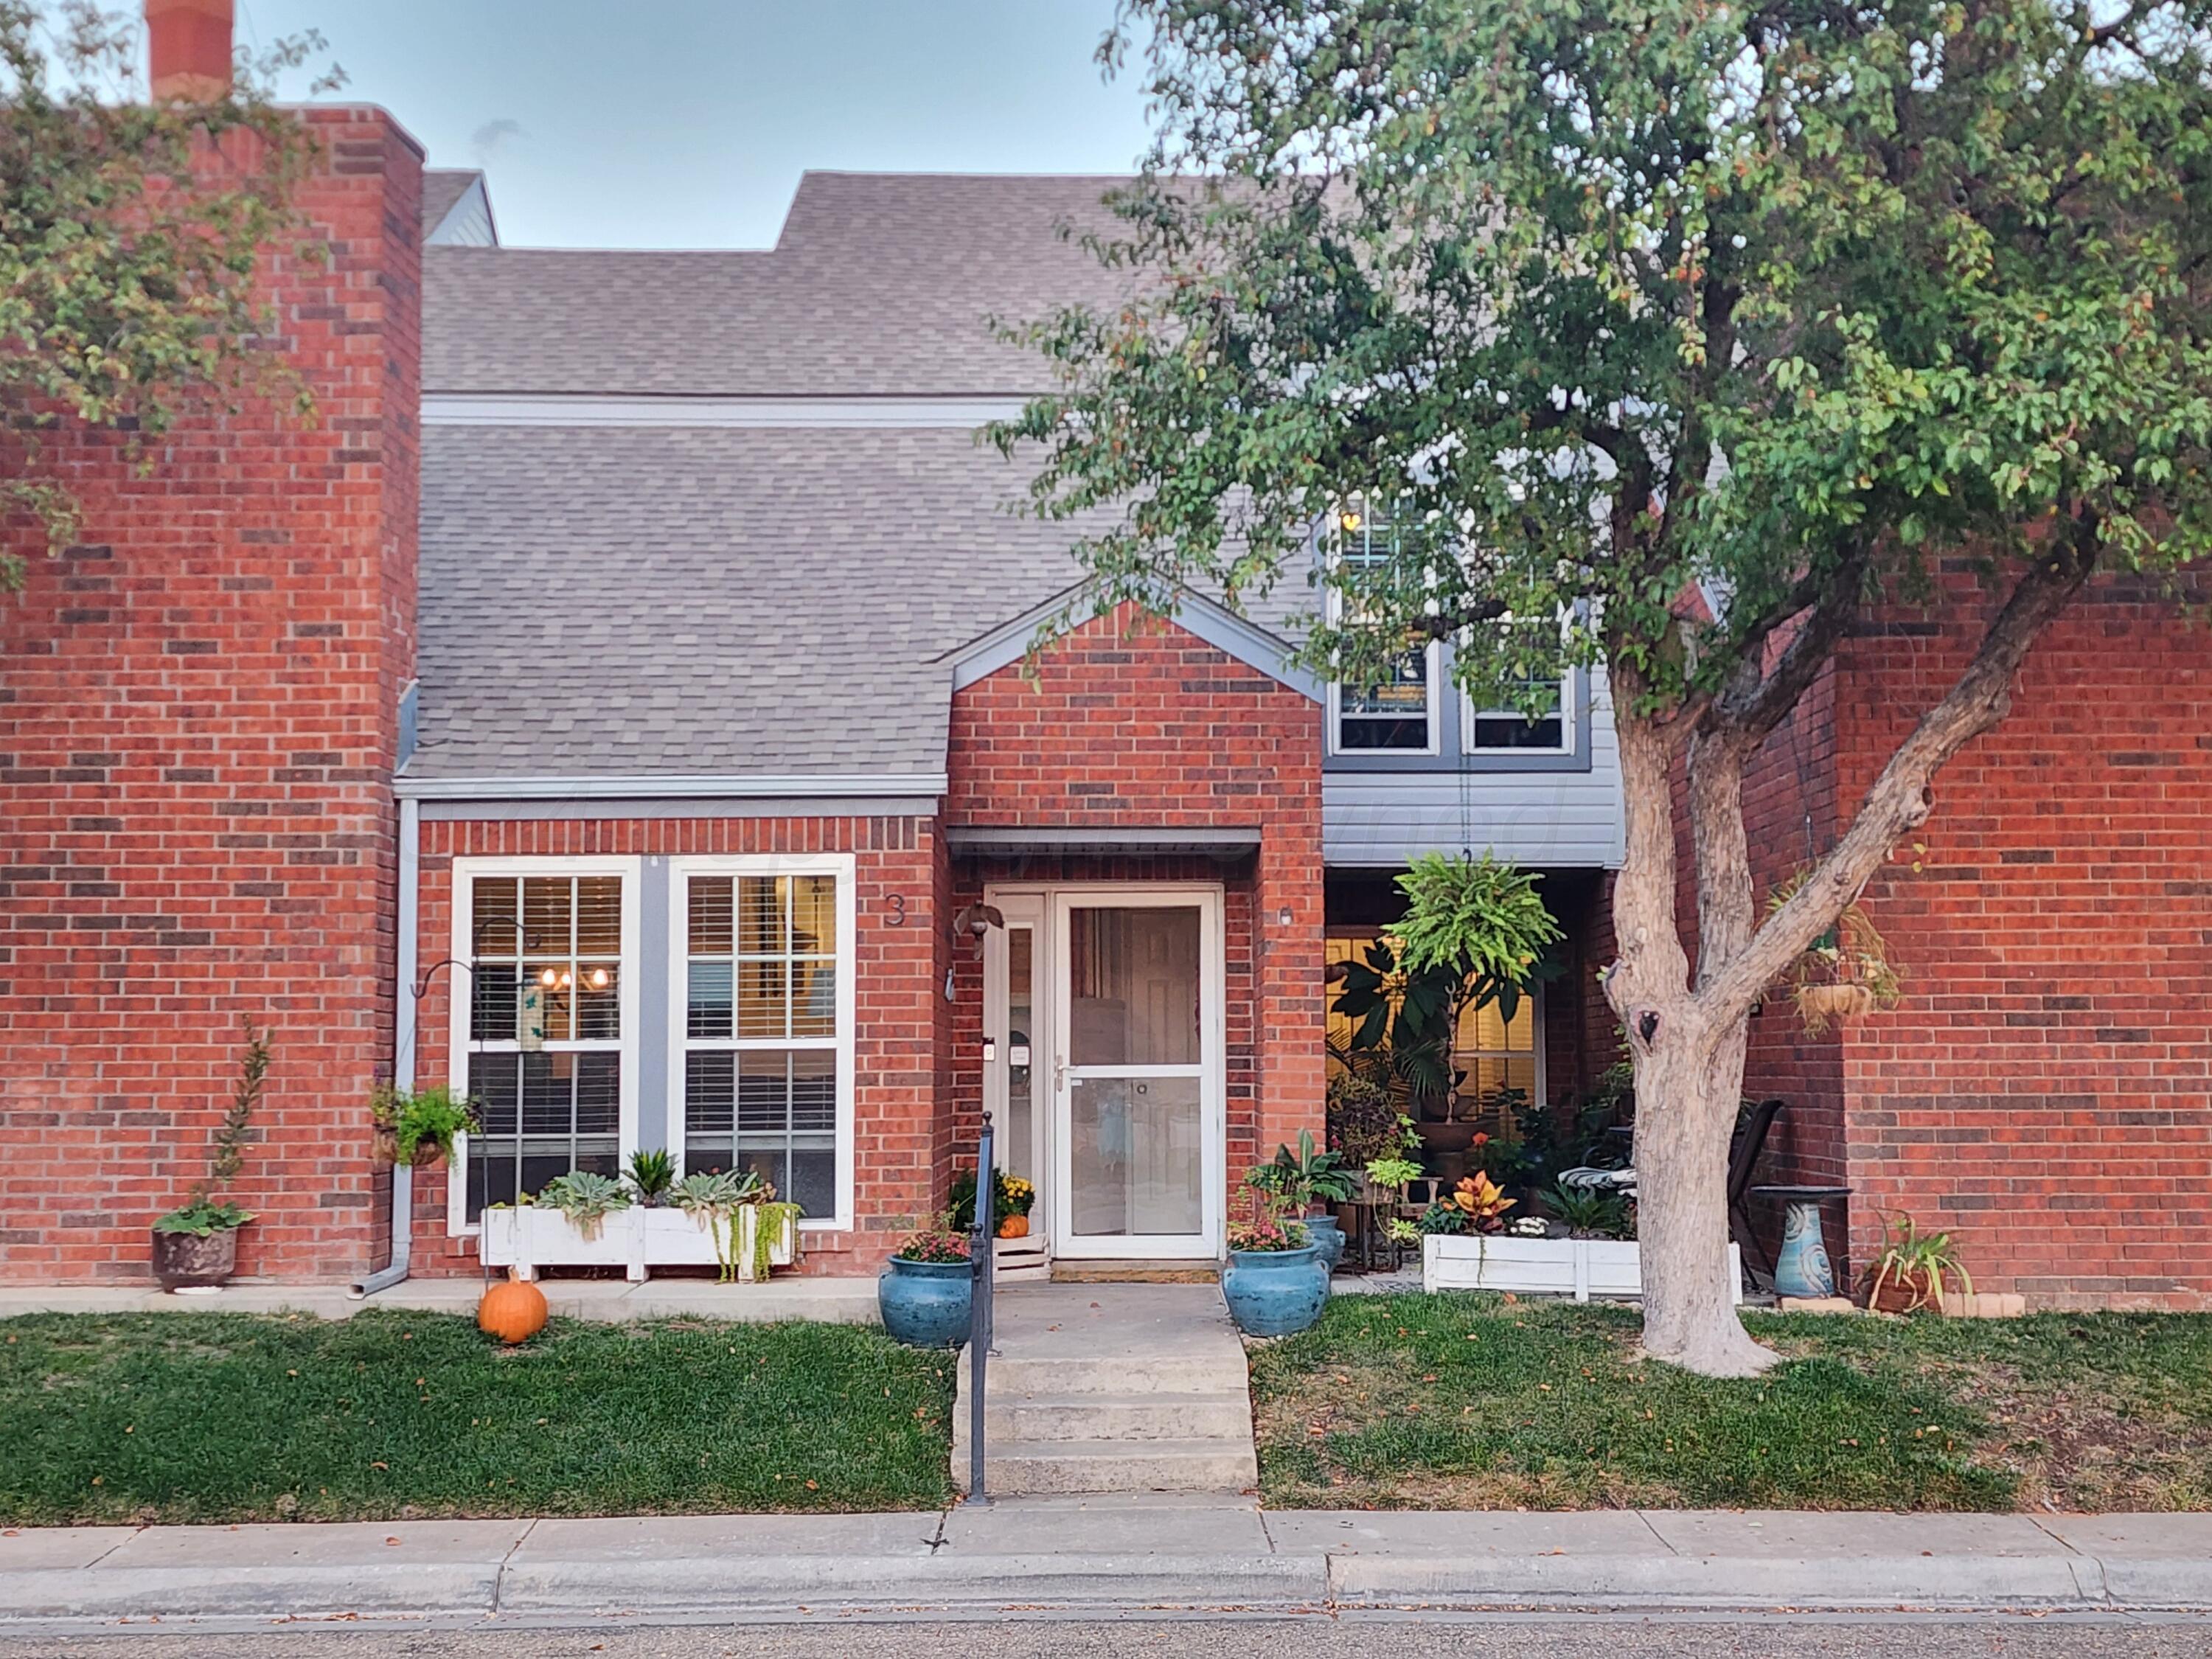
<point>1275,1292</point>
<point>1327,1237</point>
<point>925,1303</point>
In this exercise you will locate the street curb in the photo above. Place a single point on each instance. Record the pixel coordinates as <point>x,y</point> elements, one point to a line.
<point>1351,1577</point>
<point>935,1581</point>
<point>180,1592</point>
<point>2051,1581</point>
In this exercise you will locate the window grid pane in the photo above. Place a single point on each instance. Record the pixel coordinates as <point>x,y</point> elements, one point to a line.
<point>1393,714</point>
<point>760,1080</point>
<point>554,943</point>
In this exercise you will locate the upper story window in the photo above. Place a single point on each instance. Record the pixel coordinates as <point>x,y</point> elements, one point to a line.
<point>1542,722</point>
<point>1399,714</point>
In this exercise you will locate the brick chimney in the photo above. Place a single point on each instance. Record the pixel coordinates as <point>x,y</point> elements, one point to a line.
<point>188,50</point>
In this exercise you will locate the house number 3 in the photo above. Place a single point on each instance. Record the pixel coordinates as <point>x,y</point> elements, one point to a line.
<point>897,917</point>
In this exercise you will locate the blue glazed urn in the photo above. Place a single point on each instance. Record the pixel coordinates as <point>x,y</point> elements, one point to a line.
<point>1275,1292</point>
<point>925,1303</point>
<point>1803,1269</point>
<point>1327,1237</point>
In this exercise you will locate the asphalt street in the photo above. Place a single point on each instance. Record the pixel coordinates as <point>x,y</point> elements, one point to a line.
<point>1014,1635</point>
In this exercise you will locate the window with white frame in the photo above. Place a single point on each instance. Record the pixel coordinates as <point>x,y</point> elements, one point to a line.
<point>546,1051</point>
<point>1541,722</point>
<point>766,978</point>
<point>1398,714</point>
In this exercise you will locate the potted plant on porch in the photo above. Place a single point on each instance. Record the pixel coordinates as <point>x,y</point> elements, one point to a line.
<point>1276,1283</point>
<point>1306,1177</point>
<point>196,1244</point>
<point>927,1287</point>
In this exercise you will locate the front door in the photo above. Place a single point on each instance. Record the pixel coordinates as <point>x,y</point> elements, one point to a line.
<point>1137,1122</point>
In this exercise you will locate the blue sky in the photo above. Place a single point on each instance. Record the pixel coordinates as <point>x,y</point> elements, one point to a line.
<point>687,123</point>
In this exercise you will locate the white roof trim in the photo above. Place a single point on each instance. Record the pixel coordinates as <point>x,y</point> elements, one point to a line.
<point>901,785</point>
<point>1222,628</point>
<point>565,408</point>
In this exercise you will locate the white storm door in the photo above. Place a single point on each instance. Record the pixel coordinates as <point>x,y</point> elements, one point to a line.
<point>1138,1109</point>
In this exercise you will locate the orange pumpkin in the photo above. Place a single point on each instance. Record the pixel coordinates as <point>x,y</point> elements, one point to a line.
<point>514,1312</point>
<point>1014,1227</point>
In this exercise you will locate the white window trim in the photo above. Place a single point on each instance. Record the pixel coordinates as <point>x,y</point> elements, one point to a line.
<point>461,999</point>
<point>844,867</point>
<point>1570,722</point>
<point>1434,655</point>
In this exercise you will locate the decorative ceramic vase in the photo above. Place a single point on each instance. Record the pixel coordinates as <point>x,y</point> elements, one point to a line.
<point>1803,1269</point>
<point>192,1261</point>
<point>1328,1236</point>
<point>925,1303</point>
<point>1275,1292</point>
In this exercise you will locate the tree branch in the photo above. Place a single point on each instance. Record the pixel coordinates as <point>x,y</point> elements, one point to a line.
<point>1900,800</point>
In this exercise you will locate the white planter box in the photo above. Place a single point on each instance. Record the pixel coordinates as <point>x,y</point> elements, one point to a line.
<point>1579,1267</point>
<point>529,1236</point>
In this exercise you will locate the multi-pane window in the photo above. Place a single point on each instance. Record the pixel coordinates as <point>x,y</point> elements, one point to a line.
<point>1539,718</point>
<point>1490,1052</point>
<point>761,1033</point>
<point>544,1050</point>
<point>1397,713</point>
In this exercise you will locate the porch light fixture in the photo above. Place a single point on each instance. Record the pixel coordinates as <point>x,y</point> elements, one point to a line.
<point>1351,521</point>
<point>974,921</point>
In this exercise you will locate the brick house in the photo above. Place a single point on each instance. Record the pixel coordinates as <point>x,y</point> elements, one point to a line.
<point>619,707</point>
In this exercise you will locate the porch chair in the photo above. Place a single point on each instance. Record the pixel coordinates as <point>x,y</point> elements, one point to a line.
<point>1744,1150</point>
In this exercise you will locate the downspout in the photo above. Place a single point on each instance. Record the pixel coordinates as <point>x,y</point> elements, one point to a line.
<point>404,1009</point>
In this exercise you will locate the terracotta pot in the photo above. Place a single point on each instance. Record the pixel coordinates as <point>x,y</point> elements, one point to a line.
<point>188,1260</point>
<point>1900,1293</point>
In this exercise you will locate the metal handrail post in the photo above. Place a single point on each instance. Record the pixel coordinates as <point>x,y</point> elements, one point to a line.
<point>979,1310</point>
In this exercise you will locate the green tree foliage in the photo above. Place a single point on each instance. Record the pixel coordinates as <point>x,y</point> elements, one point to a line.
<point>126,256</point>
<point>1701,327</point>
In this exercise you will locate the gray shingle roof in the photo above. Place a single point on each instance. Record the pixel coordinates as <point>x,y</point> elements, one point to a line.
<point>621,602</point>
<point>770,601</point>
<point>442,188</point>
<point>880,284</point>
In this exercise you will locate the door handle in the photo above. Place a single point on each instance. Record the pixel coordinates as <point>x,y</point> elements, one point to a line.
<point>1059,1072</point>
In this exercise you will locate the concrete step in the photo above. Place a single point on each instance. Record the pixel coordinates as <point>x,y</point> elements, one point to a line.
<point>1010,1375</point>
<point>1016,1468</point>
<point>1134,1417</point>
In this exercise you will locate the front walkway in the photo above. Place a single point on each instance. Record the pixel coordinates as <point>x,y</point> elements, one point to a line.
<point>830,1301</point>
<point>1111,1388</point>
<point>1156,1552</point>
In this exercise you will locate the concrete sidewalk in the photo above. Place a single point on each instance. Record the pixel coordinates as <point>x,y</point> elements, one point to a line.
<point>1156,1552</point>
<point>843,1301</point>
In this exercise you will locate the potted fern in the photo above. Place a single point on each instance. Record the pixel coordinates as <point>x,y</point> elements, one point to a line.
<point>196,1244</point>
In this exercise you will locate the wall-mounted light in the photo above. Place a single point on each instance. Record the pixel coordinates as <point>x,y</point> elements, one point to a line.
<point>1283,917</point>
<point>1351,521</point>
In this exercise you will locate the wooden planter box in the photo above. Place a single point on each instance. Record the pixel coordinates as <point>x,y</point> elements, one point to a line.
<point>528,1237</point>
<point>1579,1267</point>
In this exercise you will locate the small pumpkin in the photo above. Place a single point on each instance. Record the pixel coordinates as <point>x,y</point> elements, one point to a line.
<point>1014,1227</point>
<point>514,1312</point>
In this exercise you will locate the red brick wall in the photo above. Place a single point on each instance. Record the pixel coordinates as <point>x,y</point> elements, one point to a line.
<point>2044,1091</point>
<point>1131,722</point>
<point>196,829</point>
<point>898,1143</point>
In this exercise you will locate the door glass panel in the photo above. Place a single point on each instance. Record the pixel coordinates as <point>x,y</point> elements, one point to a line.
<point>1016,1136</point>
<point>1133,986</point>
<point>1137,1156</point>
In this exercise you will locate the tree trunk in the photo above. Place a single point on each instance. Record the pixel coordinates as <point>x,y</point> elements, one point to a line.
<point>1689,1076</point>
<point>1681,1212</point>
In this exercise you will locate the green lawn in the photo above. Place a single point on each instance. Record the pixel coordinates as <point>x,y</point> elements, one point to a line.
<point>1466,1402</point>
<point>176,1417</point>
